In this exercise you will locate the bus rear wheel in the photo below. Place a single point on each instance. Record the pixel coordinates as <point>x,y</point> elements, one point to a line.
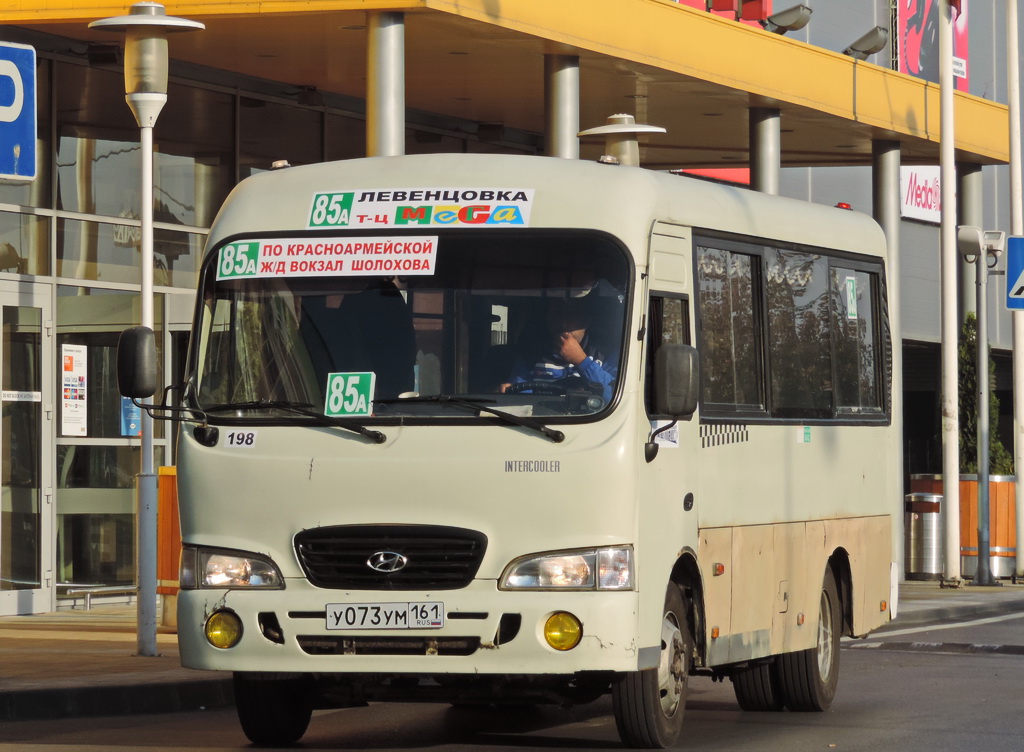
<point>810,677</point>
<point>273,712</point>
<point>758,688</point>
<point>649,704</point>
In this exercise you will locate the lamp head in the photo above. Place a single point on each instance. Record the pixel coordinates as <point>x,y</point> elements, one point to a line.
<point>872,42</point>
<point>145,55</point>
<point>791,19</point>
<point>620,139</point>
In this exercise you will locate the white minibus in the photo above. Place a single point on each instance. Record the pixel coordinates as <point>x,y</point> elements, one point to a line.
<point>489,430</point>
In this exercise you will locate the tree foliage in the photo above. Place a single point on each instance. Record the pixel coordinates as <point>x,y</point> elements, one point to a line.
<point>1000,460</point>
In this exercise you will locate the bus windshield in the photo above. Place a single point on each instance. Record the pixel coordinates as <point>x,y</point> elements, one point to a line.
<point>527,322</point>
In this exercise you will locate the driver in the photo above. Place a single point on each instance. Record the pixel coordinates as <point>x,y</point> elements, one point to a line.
<point>567,354</point>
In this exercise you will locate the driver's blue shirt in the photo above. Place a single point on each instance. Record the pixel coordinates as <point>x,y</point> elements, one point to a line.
<point>553,367</point>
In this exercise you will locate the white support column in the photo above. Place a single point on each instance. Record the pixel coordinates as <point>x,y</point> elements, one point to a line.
<point>765,149</point>
<point>385,85</point>
<point>1016,228</point>
<point>950,321</point>
<point>562,106</point>
<point>885,175</point>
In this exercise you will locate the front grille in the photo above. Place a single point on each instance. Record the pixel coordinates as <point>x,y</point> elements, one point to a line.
<point>320,645</point>
<point>439,557</point>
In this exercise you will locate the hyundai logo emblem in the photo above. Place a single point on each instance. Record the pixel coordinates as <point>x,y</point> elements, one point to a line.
<point>387,561</point>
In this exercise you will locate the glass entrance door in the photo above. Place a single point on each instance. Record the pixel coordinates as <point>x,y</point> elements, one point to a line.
<point>26,440</point>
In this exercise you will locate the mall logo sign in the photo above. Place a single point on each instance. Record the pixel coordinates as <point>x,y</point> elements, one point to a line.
<point>921,193</point>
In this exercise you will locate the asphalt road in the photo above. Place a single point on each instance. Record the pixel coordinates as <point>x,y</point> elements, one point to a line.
<point>947,687</point>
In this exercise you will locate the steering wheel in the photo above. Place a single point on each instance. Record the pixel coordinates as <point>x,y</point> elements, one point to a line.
<point>556,388</point>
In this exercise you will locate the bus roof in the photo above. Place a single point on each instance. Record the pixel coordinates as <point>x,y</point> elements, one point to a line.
<point>555,193</point>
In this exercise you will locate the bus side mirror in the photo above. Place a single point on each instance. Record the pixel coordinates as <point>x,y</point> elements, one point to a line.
<point>676,381</point>
<point>136,362</point>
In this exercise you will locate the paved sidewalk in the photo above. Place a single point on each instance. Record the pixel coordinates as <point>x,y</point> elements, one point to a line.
<point>82,663</point>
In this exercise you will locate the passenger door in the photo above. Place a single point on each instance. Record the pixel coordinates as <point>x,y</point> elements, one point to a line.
<point>26,449</point>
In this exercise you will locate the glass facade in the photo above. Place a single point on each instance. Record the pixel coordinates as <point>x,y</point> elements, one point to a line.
<point>75,234</point>
<point>75,231</point>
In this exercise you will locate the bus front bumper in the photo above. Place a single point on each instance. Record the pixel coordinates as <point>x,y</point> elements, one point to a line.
<point>484,631</point>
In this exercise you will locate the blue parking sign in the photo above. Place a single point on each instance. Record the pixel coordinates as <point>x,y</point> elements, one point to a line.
<point>1015,273</point>
<point>17,111</point>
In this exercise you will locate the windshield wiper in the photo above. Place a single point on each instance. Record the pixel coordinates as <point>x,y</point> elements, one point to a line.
<point>477,404</point>
<point>304,409</point>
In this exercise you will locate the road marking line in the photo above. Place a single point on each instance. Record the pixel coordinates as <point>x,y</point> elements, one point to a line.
<point>942,648</point>
<point>936,627</point>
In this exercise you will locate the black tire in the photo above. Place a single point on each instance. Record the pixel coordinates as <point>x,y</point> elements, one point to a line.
<point>758,688</point>
<point>273,712</point>
<point>809,677</point>
<point>649,704</point>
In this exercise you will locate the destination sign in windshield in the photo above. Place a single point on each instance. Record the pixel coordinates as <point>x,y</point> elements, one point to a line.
<point>327,256</point>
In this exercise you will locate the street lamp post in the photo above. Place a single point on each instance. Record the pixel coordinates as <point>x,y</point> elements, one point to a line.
<point>982,249</point>
<point>145,85</point>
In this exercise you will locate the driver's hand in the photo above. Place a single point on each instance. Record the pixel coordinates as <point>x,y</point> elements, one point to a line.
<point>569,348</point>
<point>502,388</point>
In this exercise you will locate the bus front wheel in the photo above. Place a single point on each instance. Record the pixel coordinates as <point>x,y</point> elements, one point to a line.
<point>649,704</point>
<point>809,677</point>
<point>273,712</point>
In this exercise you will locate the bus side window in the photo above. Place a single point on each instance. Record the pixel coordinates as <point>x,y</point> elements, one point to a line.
<point>858,359</point>
<point>668,323</point>
<point>730,330</point>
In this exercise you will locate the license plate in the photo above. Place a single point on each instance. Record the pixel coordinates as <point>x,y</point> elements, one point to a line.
<point>416,615</point>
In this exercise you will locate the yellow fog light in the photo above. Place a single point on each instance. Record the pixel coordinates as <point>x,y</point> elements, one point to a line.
<point>223,629</point>
<point>563,631</point>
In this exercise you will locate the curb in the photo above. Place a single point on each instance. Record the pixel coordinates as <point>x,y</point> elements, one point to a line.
<point>79,702</point>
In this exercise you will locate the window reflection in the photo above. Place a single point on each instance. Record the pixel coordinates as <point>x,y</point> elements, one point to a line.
<point>729,340</point>
<point>669,322</point>
<point>194,164</point>
<point>107,252</point>
<point>24,244</point>
<point>799,332</point>
<point>99,157</point>
<point>857,361</point>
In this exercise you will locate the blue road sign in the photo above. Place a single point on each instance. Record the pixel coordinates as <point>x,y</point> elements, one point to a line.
<point>1015,273</point>
<point>17,111</point>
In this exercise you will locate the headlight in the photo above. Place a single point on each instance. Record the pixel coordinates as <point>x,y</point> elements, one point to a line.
<point>217,568</point>
<point>594,569</point>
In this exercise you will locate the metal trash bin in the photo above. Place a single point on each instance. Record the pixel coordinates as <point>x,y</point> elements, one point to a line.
<point>923,529</point>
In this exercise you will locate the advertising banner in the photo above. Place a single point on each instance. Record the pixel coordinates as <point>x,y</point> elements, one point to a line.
<point>917,37</point>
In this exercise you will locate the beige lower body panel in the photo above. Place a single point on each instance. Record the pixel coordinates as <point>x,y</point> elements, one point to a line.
<point>762,583</point>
